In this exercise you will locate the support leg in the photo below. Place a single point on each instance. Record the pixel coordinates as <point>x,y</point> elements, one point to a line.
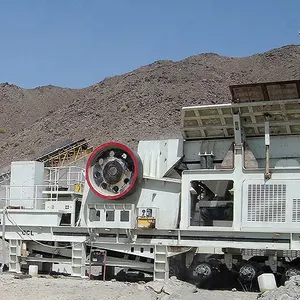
<point>15,255</point>
<point>78,259</point>
<point>161,263</point>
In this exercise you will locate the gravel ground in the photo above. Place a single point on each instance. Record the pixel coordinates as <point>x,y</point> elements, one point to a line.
<point>290,291</point>
<point>77,289</point>
<point>4,255</point>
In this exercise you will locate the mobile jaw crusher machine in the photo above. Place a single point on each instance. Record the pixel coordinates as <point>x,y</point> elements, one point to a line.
<point>227,194</point>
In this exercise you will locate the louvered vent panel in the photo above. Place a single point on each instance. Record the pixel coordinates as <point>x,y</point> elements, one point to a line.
<point>266,203</point>
<point>296,210</point>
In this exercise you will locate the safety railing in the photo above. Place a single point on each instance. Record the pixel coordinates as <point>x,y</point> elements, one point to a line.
<point>27,197</point>
<point>65,177</point>
<point>57,181</point>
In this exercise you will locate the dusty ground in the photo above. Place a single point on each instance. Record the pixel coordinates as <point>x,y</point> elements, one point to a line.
<point>78,289</point>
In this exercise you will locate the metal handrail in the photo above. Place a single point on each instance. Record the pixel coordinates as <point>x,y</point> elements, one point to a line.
<point>36,194</point>
<point>56,175</point>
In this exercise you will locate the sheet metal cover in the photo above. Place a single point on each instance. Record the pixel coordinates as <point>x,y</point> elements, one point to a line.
<point>216,121</point>
<point>268,91</point>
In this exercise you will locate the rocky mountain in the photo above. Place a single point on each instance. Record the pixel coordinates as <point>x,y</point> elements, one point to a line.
<point>142,104</point>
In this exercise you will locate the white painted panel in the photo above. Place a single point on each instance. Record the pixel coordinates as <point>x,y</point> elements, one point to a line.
<point>165,205</point>
<point>272,205</point>
<point>25,175</point>
<point>29,218</point>
<point>158,157</point>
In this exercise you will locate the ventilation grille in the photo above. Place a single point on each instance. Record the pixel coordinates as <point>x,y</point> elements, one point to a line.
<point>291,253</point>
<point>267,203</point>
<point>296,210</point>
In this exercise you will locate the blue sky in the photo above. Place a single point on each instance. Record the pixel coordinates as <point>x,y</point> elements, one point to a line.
<point>76,43</point>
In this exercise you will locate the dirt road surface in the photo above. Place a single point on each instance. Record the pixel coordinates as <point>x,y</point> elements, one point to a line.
<point>78,289</point>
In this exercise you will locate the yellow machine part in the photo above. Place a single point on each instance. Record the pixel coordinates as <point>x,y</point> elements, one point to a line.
<point>146,222</point>
<point>78,188</point>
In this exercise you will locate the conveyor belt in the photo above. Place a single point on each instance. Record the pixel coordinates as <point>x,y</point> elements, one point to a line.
<point>62,156</point>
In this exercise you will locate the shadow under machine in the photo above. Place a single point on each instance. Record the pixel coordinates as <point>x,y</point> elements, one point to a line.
<point>224,196</point>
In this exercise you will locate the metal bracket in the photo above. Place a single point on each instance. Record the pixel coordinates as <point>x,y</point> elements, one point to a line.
<point>228,260</point>
<point>267,144</point>
<point>238,139</point>
<point>132,236</point>
<point>189,257</point>
<point>272,263</point>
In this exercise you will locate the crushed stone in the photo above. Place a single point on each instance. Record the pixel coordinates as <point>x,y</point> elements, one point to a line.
<point>289,291</point>
<point>50,288</point>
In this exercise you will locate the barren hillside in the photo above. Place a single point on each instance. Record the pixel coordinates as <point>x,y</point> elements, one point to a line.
<point>142,104</point>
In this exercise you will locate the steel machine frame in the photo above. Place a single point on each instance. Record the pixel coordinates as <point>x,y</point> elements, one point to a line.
<point>224,195</point>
